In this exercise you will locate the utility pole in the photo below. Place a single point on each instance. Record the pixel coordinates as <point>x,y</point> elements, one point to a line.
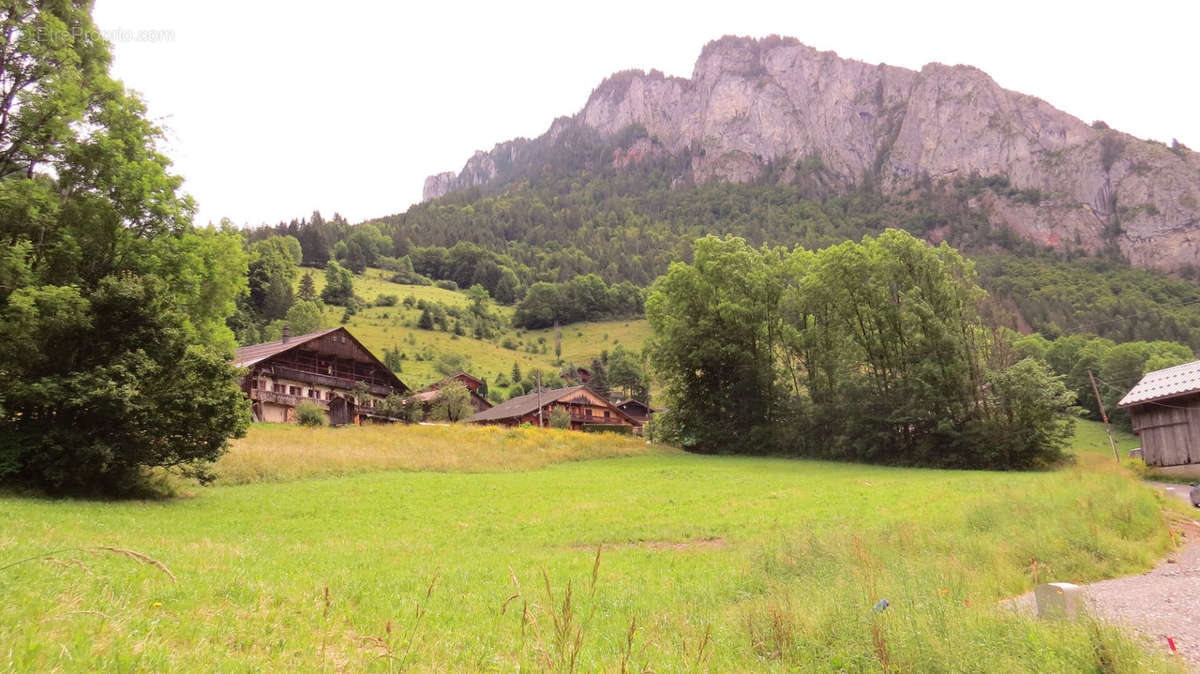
<point>1104,416</point>
<point>539,400</point>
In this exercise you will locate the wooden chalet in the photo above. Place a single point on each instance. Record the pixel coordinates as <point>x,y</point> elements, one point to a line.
<point>579,374</point>
<point>425,398</point>
<point>637,410</point>
<point>584,405</point>
<point>320,367</point>
<point>1165,406</point>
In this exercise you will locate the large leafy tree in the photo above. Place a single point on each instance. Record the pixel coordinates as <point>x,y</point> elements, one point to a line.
<point>713,343</point>
<point>113,308</point>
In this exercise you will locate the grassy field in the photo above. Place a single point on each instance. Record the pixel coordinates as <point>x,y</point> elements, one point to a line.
<point>704,563</point>
<point>395,328</point>
<point>282,452</point>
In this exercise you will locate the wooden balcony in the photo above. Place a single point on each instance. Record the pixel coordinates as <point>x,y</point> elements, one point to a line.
<point>342,383</point>
<point>285,398</point>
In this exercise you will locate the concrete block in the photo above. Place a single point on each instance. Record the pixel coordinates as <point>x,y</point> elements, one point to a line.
<point>1058,599</point>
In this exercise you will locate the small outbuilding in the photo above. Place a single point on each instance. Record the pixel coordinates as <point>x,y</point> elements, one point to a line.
<point>1165,406</point>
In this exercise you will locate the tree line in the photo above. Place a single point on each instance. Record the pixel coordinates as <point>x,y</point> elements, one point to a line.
<point>869,351</point>
<point>628,225</point>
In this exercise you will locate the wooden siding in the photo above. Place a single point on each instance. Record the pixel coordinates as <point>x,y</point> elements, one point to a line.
<point>1169,431</point>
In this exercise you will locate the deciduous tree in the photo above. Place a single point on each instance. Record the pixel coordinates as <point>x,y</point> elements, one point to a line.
<point>452,403</point>
<point>115,354</point>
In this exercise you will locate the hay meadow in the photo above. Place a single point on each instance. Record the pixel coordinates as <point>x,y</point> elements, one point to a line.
<point>443,548</point>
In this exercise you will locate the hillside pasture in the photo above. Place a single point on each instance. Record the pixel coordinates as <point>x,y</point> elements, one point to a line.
<point>662,561</point>
<point>395,327</point>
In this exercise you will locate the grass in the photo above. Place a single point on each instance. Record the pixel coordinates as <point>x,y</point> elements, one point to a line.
<point>705,563</point>
<point>395,327</point>
<point>283,452</point>
<point>1090,438</point>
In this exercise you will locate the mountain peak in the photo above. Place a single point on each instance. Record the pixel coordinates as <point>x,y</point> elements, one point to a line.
<point>754,103</point>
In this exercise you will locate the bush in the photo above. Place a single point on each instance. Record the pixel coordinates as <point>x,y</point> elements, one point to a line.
<point>446,285</point>
<point>386,301</point>
<point>560,418</point>
<point>309,414</point>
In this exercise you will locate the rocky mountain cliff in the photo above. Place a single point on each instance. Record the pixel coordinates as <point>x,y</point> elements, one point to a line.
<point>776,109</point>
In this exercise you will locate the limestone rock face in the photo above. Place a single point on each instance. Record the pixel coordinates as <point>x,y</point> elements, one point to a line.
<point>750,103</point>
<point>438,184</point>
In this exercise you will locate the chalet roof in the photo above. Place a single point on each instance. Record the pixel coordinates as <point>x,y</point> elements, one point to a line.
<point>250,355</point>
<point>423,396</point>
<point>528,403</point>
<point>1165,383</point>
<point>635,401</point>
<point>522,405</point>
<point>459,376</point>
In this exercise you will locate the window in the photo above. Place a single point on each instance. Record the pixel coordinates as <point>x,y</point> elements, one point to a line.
<point>253,384</point>
<point>314,394</point>
<point>294,390</point>
<point>329,395</point>
<point>605,414</point>
<point>589,411</point>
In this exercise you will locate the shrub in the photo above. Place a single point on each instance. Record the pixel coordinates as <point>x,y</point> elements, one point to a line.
<point>560,418</point>
<point>446,285</point>
<point>386,301</point>
<point>309,414</point>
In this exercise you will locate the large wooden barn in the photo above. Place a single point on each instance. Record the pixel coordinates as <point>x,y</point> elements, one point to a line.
<point>587,409</point>
<point>320,367</point>
<point>1165,406</point>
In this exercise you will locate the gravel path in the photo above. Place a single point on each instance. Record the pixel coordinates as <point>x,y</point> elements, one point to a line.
<point>1161,603</point>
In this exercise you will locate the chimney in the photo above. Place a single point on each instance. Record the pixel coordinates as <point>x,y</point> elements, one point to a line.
<point>287,334</point>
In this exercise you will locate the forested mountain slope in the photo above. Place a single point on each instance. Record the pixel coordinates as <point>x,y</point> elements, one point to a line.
<point>778,112</point>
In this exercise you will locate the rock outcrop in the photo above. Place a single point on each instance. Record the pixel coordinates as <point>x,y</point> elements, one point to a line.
<point>750,104</point>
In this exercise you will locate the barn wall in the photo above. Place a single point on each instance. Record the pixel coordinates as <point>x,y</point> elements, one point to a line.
<point>1169,431</point>
<point>275,413</point>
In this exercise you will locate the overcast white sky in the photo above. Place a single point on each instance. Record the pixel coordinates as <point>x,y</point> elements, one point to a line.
<point>278,108</point>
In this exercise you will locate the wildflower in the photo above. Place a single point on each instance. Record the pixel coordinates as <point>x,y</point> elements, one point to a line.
<point>157,604</point>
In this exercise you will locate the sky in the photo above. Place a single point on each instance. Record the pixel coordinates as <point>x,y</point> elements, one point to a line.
<point>274,109</point>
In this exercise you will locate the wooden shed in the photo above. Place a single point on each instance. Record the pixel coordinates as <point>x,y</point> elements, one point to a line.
<point>1165,406</point>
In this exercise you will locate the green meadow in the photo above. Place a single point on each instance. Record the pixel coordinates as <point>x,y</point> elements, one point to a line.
<point>538,553</point>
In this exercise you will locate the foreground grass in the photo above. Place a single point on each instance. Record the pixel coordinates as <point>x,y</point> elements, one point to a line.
<point>707,563</point>
<point>281,452</point>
